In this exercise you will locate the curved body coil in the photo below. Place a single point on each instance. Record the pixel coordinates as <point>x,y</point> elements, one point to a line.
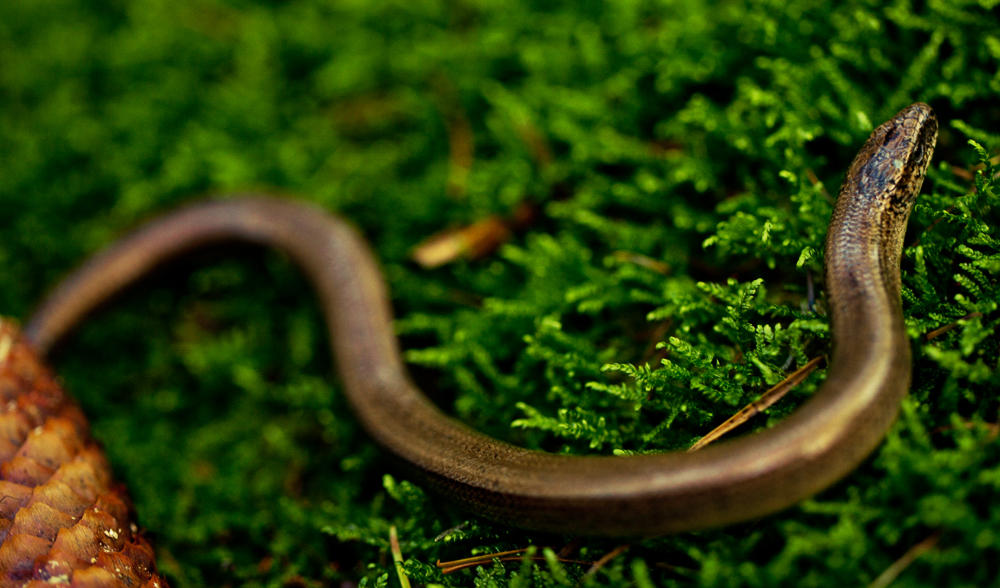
<point>615,496</point>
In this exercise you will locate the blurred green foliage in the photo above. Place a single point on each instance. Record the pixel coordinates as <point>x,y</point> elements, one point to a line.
<point>682,156</point>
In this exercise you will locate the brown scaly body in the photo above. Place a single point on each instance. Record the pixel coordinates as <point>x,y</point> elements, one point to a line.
<point>66,524</point>
<point>63,521</point>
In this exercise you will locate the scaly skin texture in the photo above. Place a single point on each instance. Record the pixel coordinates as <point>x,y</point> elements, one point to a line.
<point>613,496</point>
<point>63,522</point>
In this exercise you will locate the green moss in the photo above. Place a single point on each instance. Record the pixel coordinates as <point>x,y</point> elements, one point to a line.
<point>706,136</point>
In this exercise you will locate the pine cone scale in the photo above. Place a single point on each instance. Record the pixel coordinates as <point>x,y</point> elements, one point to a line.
<point>63,520</point>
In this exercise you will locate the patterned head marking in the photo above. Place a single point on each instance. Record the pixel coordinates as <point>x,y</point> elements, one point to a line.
<point>892,164</point>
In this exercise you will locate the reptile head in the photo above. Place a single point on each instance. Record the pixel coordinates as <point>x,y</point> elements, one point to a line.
<point>892,164</point>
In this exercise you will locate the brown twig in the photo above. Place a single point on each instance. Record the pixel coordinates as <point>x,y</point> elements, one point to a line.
<point>642,260</point>
<point>536,142</point>
<point>462,149</point>
<point>962,173</point>
<point>892,572</point>
<point>461,141</point>
<point>680,571</point>
<point>366,113</point>
<point>397,557</point>
<point>665,147</point>
<point>469,562</point>
<point>474,241</point>
<point>448,567</point>
<point>994,429</point>
<point>814,180</point>
<point>942,330</point>
<point>757,406</point>
<point>970,173</point>
<point>607,557</point>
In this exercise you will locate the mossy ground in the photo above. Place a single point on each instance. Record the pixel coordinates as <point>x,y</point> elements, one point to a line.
<point>681,157</point>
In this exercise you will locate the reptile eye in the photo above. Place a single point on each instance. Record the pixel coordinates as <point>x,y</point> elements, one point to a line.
<point>890,135</point>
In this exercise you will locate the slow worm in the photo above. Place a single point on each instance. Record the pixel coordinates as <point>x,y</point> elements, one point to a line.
<point>598,495</point>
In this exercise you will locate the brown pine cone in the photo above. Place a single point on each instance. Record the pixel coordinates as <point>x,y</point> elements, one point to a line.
<point>63,520</point>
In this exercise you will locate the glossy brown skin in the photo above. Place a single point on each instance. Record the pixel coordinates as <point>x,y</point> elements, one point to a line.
<point>597,495</point>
